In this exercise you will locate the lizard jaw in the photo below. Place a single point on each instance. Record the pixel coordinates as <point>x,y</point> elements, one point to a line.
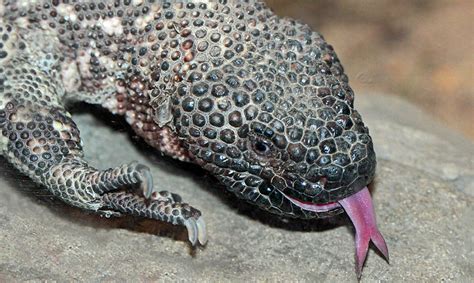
<point>360,210</point>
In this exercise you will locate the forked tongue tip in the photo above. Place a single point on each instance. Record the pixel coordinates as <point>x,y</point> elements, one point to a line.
<point>361,212</point>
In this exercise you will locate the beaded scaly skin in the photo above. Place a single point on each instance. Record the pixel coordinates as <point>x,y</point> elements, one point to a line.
<point>261,102</point>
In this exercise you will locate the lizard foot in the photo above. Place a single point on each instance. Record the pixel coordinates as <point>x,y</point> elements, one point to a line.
<point>163,209</point>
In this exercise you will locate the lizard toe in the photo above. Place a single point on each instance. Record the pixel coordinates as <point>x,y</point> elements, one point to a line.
<point>165,196</point>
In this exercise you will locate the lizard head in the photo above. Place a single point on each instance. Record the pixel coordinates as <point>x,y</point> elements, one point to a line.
<point>263,103</point>
<point>272,118</point>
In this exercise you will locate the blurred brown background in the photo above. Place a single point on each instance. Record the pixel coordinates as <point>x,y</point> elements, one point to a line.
<point>422,50</point>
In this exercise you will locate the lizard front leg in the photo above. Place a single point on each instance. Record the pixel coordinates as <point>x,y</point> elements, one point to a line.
<point>40,139</point>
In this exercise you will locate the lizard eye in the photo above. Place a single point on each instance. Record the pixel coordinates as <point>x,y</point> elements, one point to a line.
<point>261,147</point>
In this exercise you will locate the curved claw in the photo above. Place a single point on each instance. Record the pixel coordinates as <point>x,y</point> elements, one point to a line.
<point>202,232</point>
<point>196,231</point>
<point>361,211</point>
<point>146,180</point>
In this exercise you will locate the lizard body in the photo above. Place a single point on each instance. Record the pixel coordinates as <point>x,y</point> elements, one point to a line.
<point>261,102</point>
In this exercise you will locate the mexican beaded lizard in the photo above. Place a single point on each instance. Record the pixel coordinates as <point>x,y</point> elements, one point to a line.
<point>259,101</point>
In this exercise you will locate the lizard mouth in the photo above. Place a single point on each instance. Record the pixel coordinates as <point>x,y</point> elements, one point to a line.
<point>313,206</point>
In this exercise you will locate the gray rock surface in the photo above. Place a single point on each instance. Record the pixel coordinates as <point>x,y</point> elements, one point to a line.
<point>423,196</point>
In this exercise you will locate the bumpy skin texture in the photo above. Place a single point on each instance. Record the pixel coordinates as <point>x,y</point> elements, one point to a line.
<point>260,101</point>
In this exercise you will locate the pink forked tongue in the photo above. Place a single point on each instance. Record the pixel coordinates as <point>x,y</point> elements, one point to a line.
<point>361,211</point>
